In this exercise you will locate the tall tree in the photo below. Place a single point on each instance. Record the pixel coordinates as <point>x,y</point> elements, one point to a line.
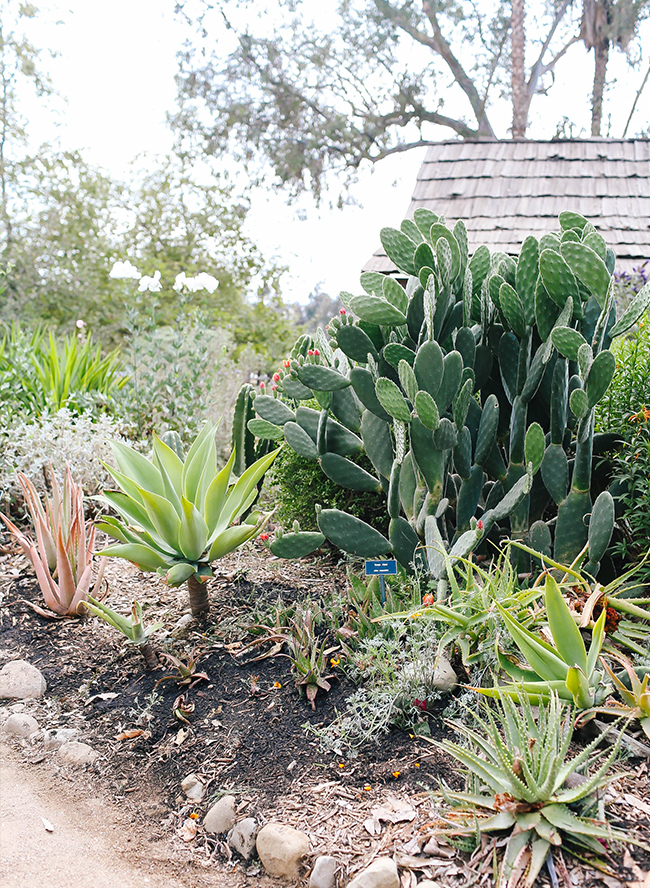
<point>606,23</point>
<point>19,70</point>
<point>313,93</point>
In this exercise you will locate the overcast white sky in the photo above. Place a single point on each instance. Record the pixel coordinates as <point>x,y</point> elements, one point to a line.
<point>116,68</point>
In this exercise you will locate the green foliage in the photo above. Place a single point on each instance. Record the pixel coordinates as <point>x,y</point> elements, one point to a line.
<point>40,374</point>
<point>625,411</point>
<point>565,667</point>
<point>471,396</point>
<point>132,628</point>
<point>177,515</point>
<point>277,99</point>
<point>297,484</point>
<point>520,787</point>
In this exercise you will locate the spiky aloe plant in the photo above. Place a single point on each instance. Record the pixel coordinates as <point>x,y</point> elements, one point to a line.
<point>62,554</point>
<point>178,516</point>
<point>517,758</point>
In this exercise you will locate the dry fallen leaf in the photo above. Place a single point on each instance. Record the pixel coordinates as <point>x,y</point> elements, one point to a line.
<point>372,826</point>
<point>394,811</point>
<point>109,695</point>
<point>129,735</point>
<point>182,734</point>
<point>636,803</point>
<point>187,832</point>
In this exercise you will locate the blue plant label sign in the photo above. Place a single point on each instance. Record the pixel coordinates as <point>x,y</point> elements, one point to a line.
<point>381,567</point>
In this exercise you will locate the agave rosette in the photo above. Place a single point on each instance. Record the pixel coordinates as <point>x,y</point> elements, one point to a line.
<point>177,516</point>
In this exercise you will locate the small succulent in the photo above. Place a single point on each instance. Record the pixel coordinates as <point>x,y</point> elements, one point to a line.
<point>132,628</point>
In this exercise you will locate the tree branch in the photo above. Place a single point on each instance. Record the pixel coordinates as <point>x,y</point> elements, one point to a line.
<point>538,69</point>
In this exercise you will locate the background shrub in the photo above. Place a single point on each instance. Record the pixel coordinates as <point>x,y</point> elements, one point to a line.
<point>625,410</point>
<point>29,446</point>
<point>297,484</point>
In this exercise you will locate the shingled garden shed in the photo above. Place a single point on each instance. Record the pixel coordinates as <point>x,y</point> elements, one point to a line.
<point>507,190</point>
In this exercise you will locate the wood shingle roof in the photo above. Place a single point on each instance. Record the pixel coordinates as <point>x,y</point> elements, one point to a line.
<point>507,190</point>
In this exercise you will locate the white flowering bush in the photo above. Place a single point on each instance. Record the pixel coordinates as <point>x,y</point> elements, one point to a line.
<point>61,438</point>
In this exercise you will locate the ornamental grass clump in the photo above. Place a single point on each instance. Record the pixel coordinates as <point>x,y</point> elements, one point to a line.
<point>178,515</point>
<point>62,554</point>
<point>524,789</point>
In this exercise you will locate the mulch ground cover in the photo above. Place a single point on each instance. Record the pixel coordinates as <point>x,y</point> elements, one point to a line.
<point>245,729</point>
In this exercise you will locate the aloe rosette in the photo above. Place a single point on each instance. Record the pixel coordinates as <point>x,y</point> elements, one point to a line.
<point>178,516</point>
<point>62,554</point>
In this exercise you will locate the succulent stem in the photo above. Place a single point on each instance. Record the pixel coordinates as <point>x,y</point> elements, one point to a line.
<point>199,601</point>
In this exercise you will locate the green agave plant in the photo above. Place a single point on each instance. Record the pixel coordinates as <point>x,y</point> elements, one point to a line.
<point>565,667</point>
<point>526,791</point>
<point>177,516</point>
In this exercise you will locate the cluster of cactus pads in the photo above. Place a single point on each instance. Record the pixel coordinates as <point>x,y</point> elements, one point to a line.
<point>471,387</point>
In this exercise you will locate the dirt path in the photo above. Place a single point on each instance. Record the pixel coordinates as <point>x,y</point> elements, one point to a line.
<point>93,844</point>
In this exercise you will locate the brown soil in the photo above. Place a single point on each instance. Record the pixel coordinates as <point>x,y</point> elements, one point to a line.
<point>245,732</point>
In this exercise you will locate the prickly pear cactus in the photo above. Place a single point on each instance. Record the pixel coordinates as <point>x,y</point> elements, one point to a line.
<point>471,389</point>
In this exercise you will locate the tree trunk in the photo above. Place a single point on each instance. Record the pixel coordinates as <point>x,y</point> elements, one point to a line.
<point>199,601</point>
<point>601,50</point>
<point>520,101</point>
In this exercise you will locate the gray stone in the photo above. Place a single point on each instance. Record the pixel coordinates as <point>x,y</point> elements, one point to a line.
<point>281,849</point>
<point>55,739</point>
<point>382,873</point>
<point>444,678</point>
<point>20,725</point>
<point>221,816</point>
<point>242,837</point>
<point>180,629</point>
<point>193,787</point>
<point>323,874</point>
<point>75,753</point>
<point>19,680</point>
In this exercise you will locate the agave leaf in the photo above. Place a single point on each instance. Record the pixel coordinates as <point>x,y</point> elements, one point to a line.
<point>171,493</point>
<point>202,450</point>
<point>144,557</point>
<point>239,494</point>
<point>514,671</point>
<point>169,459</point>
<point>566,634</point>
<point>137,468</point>
<point>163,517</point>
<point>578,686</point>
<point>130,510</point>
<point>122,624</point>
<point>597,639</point>
<point>230,539</point>
<point>128,485</point>
<point>112,527</point>
<point>215,495</point>
<point>193,534</point>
